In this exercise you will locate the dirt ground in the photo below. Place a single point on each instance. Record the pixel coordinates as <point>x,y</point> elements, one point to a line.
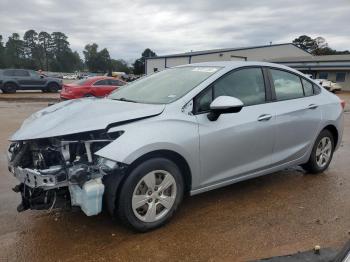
<point>277,214</point>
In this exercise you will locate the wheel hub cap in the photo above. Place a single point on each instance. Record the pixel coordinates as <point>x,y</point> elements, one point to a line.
<point>154,195</point>
<point>323,152</point>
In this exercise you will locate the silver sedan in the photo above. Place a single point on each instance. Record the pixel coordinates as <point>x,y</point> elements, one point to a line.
<point>187,129</point>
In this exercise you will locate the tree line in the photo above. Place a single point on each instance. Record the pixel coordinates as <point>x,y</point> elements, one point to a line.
<point>316,46</point>
<point>52,52</point>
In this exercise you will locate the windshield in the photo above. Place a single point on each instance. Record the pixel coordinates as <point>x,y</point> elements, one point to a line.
<point>164,87</point>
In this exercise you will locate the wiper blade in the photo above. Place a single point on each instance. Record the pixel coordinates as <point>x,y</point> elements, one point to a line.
<point>126,100</point>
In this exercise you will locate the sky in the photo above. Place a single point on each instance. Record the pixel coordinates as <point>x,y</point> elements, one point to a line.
<point>126,28</point>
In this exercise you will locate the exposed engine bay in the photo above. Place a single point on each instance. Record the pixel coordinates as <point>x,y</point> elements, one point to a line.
<point>62,172</point>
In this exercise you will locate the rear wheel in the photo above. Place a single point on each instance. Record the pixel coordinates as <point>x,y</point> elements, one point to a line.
<point>322,153</point>
<point>9,88</point>
<point>52,88</point>
<point>151,194</point>
<point>88,95</point>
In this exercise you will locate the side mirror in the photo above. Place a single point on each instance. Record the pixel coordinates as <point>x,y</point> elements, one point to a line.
<point>224,105</point>
<point>41,76</point>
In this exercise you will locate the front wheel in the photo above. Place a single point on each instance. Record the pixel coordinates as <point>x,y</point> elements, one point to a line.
<point>322,153</point>
<point>151,194</point>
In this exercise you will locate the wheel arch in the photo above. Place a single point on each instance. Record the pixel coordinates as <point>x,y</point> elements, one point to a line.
<point>114,184</point>
<point>10,82</point>
<point>334,132</point>
<point>178,159</point>
<point>52,82</point>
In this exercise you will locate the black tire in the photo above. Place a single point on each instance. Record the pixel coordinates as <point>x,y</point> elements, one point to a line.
<point>52,88</point>
<point>9,88</point>
<point>312,166</point>
<point>88,95</point>
<point>124,202</point>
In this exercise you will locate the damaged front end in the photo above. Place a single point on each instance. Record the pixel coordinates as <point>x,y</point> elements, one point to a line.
<point>63,171</point>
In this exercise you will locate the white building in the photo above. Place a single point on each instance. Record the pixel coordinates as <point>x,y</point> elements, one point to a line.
<point>256,53</point>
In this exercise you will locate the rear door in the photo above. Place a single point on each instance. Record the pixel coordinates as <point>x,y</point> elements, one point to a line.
<point>298,115</point>
<point>101,88</point>
<point>23,78</point>
<point>236,144</point>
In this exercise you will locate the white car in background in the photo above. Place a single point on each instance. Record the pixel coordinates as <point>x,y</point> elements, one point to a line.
<point>329,85</point>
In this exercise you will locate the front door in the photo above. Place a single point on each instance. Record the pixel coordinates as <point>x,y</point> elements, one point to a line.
<point>236,144</point>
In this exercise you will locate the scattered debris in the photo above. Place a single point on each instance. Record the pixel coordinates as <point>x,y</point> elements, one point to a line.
<point>317,249</point>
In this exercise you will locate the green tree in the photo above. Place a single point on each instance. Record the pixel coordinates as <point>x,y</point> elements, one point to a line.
<point>97,61</point>
<point>305,42</point>
<point>317,46</point>
<point>45,48</point>
<point>120,66</point>
<point>14,53</point>
<point>32,50</point>
<point>2,53</point>
<point>139,64</point>
<point>63,59</point>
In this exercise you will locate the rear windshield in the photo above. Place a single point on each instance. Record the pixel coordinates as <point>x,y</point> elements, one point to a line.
<point>81,82</point>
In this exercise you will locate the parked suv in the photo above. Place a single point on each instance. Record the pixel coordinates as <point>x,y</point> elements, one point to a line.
<point>12,80</point>
<point>187,129</point>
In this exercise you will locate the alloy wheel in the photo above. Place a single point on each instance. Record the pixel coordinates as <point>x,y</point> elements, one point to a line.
<point>154,196</point>
<point>323,152</point>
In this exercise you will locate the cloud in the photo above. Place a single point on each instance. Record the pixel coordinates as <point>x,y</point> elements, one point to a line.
<point>126,28</point>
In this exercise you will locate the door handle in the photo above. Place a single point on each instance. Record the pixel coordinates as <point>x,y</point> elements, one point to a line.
<point>264,117</point>
<point>312,106</point>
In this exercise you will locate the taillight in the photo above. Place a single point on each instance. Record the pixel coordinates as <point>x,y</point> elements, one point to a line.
<point>342,103</point>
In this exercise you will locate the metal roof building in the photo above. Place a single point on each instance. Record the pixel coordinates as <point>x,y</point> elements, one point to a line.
<point>254,53</point>
<point>333,67</point>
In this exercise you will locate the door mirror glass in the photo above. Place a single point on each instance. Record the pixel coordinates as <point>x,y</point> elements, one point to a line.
<point>224,105</point>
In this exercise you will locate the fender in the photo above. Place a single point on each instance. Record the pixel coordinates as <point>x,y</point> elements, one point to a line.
<point>150,135</point>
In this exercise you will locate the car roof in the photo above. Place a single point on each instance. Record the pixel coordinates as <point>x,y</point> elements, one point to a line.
<point>229,65</point>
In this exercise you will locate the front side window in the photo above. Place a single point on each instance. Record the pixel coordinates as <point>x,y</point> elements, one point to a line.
<point>164,87</point>
<point>340,77</point>
<point>308,87</point>
<point>203,100</point>
<point>287,85</point>
<point>245,84</point>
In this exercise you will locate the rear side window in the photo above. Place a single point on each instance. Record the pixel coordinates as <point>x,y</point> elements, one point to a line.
<point>308,87</point>
<point>287,85</point>
<point>21,73</point>
<point>9,72</point>
<point>116,83</point>
<point>104,82</point>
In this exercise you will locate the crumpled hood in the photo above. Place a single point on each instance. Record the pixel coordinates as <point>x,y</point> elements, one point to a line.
<point>81,115</point>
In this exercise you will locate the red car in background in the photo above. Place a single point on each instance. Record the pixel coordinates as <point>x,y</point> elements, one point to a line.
<point>98,86</point>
